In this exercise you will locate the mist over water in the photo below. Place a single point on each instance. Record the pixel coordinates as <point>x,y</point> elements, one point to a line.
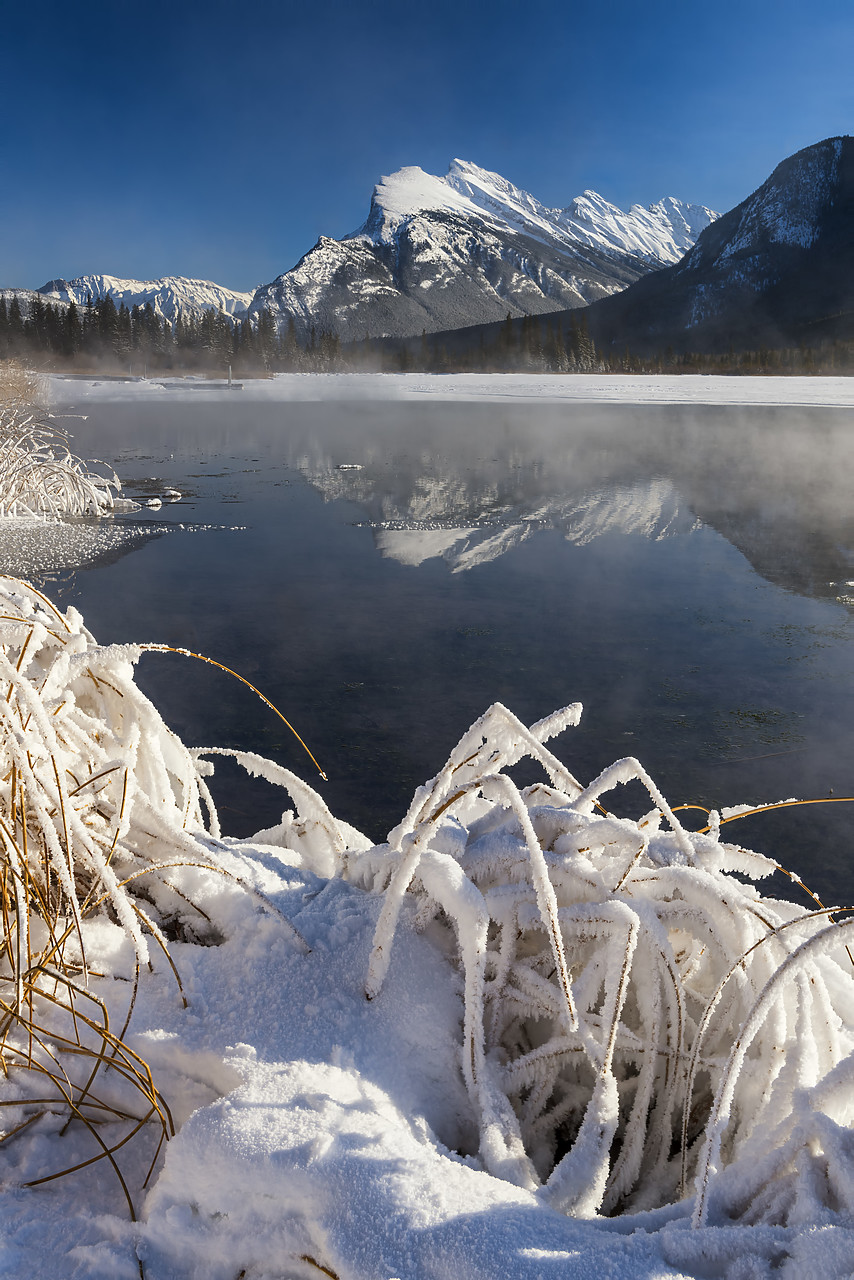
<point>384,571</point>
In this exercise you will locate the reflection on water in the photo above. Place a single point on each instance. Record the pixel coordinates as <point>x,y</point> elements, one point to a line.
<point>468,517</point>
<point>680,571</point>
<point>650,509</point>
<point>775,482</point>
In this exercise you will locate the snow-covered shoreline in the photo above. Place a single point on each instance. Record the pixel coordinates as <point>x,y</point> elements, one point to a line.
<point>590,388</point>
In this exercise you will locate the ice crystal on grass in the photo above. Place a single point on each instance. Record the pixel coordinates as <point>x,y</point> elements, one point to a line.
<point>640,1024</point>
<point>39,475</point>
<point>637,1015</point>
<point>102,814</point>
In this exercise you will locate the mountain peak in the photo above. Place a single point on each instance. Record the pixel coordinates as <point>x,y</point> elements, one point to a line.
<point>410,191</point>
<point>469,247</point>
<point>775,271</point>
<point>659,234</point>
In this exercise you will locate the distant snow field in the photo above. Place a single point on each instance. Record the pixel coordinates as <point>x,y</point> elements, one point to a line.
<point>584,387</point>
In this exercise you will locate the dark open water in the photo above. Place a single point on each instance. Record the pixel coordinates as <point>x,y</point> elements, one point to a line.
<point>683,572</point>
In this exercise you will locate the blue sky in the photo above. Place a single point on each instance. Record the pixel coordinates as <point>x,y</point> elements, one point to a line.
<point>219,140</point>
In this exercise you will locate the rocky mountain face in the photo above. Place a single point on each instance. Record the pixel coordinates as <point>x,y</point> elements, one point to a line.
<point>435,253</point>
<point>171,297</point>
<point>24,297</point>
<point>440,253</point>
<point>777,270</point>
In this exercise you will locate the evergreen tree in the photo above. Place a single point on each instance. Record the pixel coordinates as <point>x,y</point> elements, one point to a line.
<point>290,348</point>
<point>73,334</point>
<point>16,325</point>
<point>35,328</point>
<point>554,352</point>
<point>267,338</point>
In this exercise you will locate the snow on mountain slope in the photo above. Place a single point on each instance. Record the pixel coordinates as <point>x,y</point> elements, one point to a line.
<point>24,298</point>
<point>786,209</point>
<point>169,297</point>
<point>443,252</point>
<point>775,271</point>
<point>662,233</point>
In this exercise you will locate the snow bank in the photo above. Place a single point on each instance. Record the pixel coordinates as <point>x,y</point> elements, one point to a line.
<point>519,387</point>
<point>443,1056</point>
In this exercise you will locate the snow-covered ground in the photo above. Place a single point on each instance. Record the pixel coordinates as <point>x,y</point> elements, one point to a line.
<point>432,1059</point>
<point>521,387</point>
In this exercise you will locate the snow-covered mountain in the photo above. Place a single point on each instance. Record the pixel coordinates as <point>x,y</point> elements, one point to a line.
<point>776,270</point>
<point>467,248</point>
<point>24,297</point>
<point>170,297</point>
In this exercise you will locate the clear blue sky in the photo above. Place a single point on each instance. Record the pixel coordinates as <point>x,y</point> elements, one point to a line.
<point>219,140</point>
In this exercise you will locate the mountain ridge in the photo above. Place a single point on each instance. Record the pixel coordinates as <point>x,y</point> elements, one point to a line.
<point>436,253</point>
<point>169,296</point>
<point>775,270</point>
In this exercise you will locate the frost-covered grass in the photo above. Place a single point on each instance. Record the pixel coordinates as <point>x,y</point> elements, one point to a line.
<point>99,806</point>
<point>39,475</point>
<point>626,992</point>
<point>569,1014</point>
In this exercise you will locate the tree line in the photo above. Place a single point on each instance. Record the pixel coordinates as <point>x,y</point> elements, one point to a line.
<point>102,336</point>
<point>99,336</point>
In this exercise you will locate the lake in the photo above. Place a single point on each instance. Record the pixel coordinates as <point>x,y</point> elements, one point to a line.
<point>384,570</point>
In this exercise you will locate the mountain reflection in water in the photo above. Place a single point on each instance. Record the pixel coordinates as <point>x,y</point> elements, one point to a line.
<point>775,482</point>
<point>681,571</point>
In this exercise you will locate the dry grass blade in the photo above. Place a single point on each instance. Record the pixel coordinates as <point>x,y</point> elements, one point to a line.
<point>188,653</point>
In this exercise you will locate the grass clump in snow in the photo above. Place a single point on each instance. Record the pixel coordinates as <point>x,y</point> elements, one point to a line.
<point>101,806</point>
<point>39,475</point>
<point>640,1022</point>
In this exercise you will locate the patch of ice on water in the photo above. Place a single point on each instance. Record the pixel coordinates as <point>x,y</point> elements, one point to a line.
<point>29,548</point>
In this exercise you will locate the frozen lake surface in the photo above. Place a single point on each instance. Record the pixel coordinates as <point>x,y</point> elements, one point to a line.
<point>384,568</point>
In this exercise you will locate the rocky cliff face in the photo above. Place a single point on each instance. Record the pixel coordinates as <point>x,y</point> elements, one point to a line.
<point>171,297</point>
<point>776,270</point>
